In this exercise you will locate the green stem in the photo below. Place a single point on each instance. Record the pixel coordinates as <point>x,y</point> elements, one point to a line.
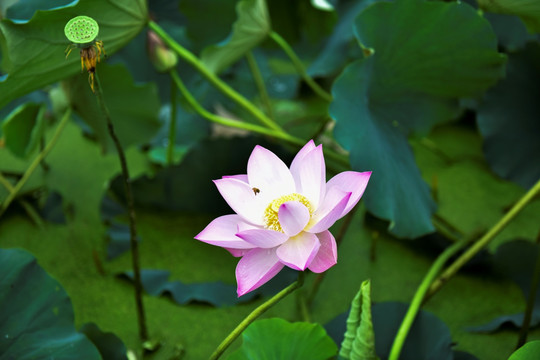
<point>229,122</point>
<point>416,303</point>
<point>36,162</point>
<point>300,67</point>
<point>172,125</point>
<point>530,304</point>
<point>32,213</point>
<point>255,314</point>
<point>239,99</point>
<point>482,242</point>
<point>143,333</point>
<point>259,81</point>
<point>213,78</point>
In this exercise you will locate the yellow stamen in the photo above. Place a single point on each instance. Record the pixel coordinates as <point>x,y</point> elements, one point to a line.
<point>271,219</point>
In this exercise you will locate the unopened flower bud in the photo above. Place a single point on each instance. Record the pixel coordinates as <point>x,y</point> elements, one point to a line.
<point>161,56</point>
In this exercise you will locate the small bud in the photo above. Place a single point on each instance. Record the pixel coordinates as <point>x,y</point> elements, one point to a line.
<point>163,58</point>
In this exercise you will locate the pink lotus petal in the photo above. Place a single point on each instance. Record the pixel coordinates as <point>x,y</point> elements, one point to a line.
<point>330,211</point>
<point>241,177</point>
<point>350,181</point>
<point>268,174</point>
<point>240,197</point>
<point>263,238</point>
<point>303,152</point>
<point>222,232</point>
<point>255,269</point>
<point>293,217</point>
<point>309,174</point>
<point>237,252</point>
<point>298,252</point>
<point>327,255</point>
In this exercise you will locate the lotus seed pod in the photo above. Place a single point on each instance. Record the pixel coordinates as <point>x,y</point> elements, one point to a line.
<point>81,30</point>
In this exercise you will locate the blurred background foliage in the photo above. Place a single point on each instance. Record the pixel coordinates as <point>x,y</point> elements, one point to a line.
<point>439,99</point>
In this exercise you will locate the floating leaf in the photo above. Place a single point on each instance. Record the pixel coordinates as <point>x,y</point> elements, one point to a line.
<point>516,260</point>
<point>33,52</point>
<point>252,26</point>
<point>529,351</point>
<point>359,339</point>
<point>23,129</point>
<point>155,282</point>
<point>108,344</point>
<point>422,62</point>
<point>508,119</point>
<point>429,337</point>
<point>134,108</point>
<point>276,339</point>
<point>36,317</point>
<point>119,238</point>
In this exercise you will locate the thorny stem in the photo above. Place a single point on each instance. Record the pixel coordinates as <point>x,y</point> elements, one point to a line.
<point>255,314</point>
<point>259,81</point>
<point>36,162</point>
<point>143,333</point>
<point>530,303</point>
<point>172,125</point>
<point>341,234</point>
<point>213,78</point>
<point>416,302</point>
<point>300,67</point>
<point>482,242</point>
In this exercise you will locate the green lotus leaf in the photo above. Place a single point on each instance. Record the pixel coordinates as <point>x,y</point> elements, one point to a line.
<point>275,339</point>
<point>33,52</point>
<point>508,120</point>
<point>529,351</point>
<point>425,55</point>
<point>251,27</point>
<point>23,129</point>
<point>36,317</point>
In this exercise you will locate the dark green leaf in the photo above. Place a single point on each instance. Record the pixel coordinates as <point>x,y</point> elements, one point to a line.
<point>36,317</point>
<point>25,9</point>
<point>159,155</point>
<point>134,108</point>
<point>173,189</point>
<point>208,27</point>
<point>508,119</point>
<point>155,282</point>
<point>23,129</point>
<point>252,26</point>
<point>359,339</point>
<point>516,260</point>
<point>276,339</point>
<point>119,240</point>
<point>421,63</point>
<point>510,30</point>
<point>429,337</point>
<point>108,344</point>
<point>33,52</point>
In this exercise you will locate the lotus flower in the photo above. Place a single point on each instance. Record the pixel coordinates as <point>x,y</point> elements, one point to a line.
<point>282,215</point>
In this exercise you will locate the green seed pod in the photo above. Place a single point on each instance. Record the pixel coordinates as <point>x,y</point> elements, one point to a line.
<point>81,30</point>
